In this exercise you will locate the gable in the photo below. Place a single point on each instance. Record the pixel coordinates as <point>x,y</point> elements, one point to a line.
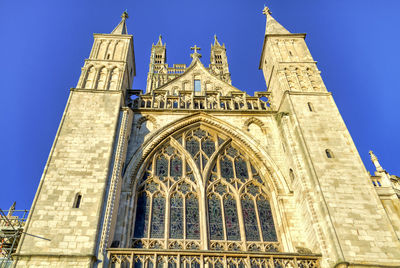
<point>208,82</point>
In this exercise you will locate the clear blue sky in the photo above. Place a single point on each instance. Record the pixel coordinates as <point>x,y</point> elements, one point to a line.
<point>44,44</point>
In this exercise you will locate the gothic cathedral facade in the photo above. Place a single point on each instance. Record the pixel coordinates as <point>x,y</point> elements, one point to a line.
<point>194,172</point>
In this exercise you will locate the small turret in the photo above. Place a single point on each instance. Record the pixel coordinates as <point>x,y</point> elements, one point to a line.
<point>219,61</point>
<point>158,65</point>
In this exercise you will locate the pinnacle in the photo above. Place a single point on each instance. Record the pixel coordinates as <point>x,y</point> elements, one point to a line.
<point>159,43</point>
<point>216,41</point>
<point>121,27</point>
<point>273,27</point>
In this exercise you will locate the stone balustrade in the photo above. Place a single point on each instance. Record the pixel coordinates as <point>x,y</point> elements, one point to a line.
<point>210,259</point>
<point>187,100</point>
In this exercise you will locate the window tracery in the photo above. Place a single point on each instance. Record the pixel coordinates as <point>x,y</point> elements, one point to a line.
<point>170,209</point>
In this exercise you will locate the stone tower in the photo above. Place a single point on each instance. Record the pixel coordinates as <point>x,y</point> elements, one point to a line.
<point>219,61</point>
<point>67,215</point>
<point>194,172</point>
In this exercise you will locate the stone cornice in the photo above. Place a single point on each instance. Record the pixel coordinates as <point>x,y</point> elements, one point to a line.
<point>96,90</point>
<point>113,36</point>
<point>287,92</point>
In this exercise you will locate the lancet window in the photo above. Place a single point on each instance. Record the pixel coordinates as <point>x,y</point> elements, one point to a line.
<point>200,191</point>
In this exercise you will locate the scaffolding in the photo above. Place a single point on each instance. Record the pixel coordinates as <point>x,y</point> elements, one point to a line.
<point>12,223</point>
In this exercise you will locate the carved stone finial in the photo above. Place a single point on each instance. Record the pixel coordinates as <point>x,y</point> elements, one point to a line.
<point>266,11</point>
<point>125,15</point>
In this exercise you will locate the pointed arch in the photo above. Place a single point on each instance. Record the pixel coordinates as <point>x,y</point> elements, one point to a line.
<point>253,120</point>
<point>145,118</point>
<point>219,202</point>
<point>262,159</point>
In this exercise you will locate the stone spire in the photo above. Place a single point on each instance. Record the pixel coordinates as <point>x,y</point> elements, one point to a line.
<point>216,43</point>
<point>272,26</point>
<point>159,43</point>
<point>374,160</point>
<point>121,27</point>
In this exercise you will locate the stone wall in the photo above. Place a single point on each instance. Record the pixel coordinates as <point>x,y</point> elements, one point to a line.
<point>78,164</point>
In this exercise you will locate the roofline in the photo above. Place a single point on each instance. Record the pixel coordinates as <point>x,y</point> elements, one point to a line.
<point>191,66</point>
<point>114,35</point>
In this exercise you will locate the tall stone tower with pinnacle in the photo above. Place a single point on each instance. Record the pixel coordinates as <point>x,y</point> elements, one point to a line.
<point>195,172</point>
<point>68,212</point>
<point>330,171</point>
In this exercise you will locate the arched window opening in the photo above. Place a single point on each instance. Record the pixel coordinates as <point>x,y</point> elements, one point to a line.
<point>90,77</point>
<point>108,56</point>
<point>329,153</point>
<point>236,208</point>
<point>102,78</point>
<point>77,201</point>
<point>310,107</point>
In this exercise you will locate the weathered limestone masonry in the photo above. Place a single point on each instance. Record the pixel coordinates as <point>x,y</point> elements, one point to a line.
<point>197,173</point>
<point>63,228</point>
<point>354,226</point>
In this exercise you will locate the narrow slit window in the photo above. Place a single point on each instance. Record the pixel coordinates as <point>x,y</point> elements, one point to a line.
<point>78,199</point>
<point>310,107</point>
<point>197,85</point>
<point>291,173</point>
<point>329,153</point>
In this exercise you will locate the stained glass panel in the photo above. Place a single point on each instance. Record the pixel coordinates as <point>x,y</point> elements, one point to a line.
<point>253,189</point>
<point>184,188</point>
<point>250,219</point>
<point>142,216</point>
<point>176,218</point>
<point>220,188</point>
<point>192,146</point>
<point>192,217</point>
<point>231,219</point>
<point>199,133</point>
<point>226,168</point>
<point>208,147</point>
<point>241,169</point>
<point>169,150</point>
<point>267,222</point>
<point>176,167</point>
<point>215,218</point>
<point>162,167</point>
<point>231,151</point>
<point>157,219</point>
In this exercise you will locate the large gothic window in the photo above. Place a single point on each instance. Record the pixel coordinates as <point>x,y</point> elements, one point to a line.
<point>199,190</point>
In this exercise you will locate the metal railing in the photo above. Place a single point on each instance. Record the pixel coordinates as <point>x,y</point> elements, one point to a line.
<point>11,227</point>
